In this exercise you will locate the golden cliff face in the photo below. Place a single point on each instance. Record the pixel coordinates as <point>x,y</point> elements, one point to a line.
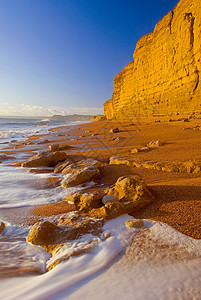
<point>164,77</point>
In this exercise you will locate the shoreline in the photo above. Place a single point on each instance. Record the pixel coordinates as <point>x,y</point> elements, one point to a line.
<point>177,195</point>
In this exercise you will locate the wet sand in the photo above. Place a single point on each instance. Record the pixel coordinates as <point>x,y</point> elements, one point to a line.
<point>177,195</point>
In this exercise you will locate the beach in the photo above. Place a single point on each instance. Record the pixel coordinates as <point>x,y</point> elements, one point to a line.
<point>174,185</point>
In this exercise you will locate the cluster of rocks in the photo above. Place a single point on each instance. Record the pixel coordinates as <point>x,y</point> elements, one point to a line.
<point>52,237</point>
<point>150,146</point>
<point>80,172</point>
<point>197,127</point>
<point>93,207</point>
<point>127,195</point>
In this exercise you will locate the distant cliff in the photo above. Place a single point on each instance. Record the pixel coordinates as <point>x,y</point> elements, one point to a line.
<point>164,77</point>
<point>71,118</point>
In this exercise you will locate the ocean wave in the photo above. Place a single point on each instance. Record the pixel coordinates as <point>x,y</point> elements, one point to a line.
<point>7,134</point>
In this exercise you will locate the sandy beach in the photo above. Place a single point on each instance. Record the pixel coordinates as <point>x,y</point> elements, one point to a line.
<point>177,194</point>
<point>177,200</point>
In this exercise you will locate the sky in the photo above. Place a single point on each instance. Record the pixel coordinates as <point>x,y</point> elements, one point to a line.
<point>61,56</point>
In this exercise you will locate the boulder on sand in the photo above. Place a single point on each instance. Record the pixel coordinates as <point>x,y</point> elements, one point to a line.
<point>81,176</point>
<point>131,193</point>
<point>57,147</point>
<point>54,147</point>
<point>154,144</point>
<point>81,172</point>
<point>85,201</point>
<point>45,158</point>
<point>74,167</point>
<point>50,236</point>
<point>114,130</point>
<point>135,223</point>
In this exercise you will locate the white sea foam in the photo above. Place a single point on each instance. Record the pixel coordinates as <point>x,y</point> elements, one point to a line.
<point>16,253</point>
<point>81,277</point>
<point>22,128</point>
<point>76,269</point>
<point>19,187</point>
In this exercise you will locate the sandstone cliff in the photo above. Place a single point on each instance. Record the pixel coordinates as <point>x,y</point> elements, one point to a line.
<point>164,77</point>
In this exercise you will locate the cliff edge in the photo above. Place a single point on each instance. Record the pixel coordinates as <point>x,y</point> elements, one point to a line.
<point>164,77</point>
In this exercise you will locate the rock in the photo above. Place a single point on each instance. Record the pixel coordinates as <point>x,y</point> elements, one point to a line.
<point>85,201</point>
<point>52,181</point>
<point>43,142</point>
<point>74,167</point>
<point>5,157</point>
<point>2,227</point>
<point>119,138</point>
<point>50,236</point>
<point>40,170</point>
<point>144,149</point>
<point>111,210</point>
<point>62,165</point>
<point>43,233</point>
<point>114,130</point>
<point>154,144</point>
<point>45,158</point>
<point>108,198</point>
<point>54,147</point>
<point>135,150</point>
<point>81,172</point>
<point>168,166</point>
<point>94,134</point>
<point>163,77</point>
<point>57,147</point>
<point>64,147</point>
<point>119,160</point>
<point>80,176</point>
<point>148,147</point>
<point>131,193</point>
<point>135,223</point>
<point>88,248</point>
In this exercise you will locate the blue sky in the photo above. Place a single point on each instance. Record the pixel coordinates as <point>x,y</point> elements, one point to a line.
<point>61,56</point>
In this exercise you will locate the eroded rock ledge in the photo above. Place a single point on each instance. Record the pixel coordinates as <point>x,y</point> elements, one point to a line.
<point>190,166</point>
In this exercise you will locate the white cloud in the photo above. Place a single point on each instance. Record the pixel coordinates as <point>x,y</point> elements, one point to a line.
<point>41,111</point>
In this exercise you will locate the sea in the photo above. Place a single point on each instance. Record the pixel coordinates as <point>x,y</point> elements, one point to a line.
<point>20,128</point>
<point>23,272</point>
<point>17,184</point>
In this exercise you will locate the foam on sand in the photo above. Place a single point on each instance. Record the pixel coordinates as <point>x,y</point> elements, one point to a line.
<point>159,263</point>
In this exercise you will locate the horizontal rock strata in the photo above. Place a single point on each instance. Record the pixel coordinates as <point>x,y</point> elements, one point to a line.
<point>168,166</point>
<point>164,77</point>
